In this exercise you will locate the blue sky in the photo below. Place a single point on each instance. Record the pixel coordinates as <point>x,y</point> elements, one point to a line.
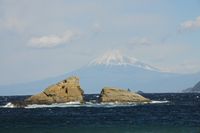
<point>41,39</point>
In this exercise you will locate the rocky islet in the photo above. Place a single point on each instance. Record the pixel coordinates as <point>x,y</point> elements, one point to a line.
<point>117,95</point>
<point>69,90</point>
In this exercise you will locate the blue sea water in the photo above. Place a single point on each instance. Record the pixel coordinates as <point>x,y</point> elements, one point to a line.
<point>181,114</point>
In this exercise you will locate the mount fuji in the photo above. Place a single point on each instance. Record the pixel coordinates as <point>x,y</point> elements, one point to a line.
<point>115,58</point>
<point>116,70</point>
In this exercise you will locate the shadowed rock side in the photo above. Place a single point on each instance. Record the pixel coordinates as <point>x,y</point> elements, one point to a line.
<point>120,96</point>
<point>65,91</point>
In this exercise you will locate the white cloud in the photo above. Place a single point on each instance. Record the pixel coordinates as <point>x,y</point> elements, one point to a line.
<point>191,24</point>
<point>51,41</point>
<point>184,68</point>
<point>140,41</point>
<point>97,28</point>
<point>12,23</point>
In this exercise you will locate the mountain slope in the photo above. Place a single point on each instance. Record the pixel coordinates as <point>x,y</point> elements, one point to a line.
<point>95,78</point>
<point>115,70</point>
<point>194,89</point>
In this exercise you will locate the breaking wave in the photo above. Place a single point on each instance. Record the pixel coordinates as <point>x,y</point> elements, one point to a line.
<point>9,105</point>
<point>78,104</point>
<point>159,102</point>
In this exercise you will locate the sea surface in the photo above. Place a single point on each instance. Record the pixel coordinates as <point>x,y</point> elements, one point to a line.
<point>168,113</point>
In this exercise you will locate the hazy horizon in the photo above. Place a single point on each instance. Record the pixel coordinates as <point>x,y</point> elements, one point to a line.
<point>43,39</point>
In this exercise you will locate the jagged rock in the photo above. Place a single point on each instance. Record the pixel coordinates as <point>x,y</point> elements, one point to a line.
<point>120,96</point>
<point>65,91</point>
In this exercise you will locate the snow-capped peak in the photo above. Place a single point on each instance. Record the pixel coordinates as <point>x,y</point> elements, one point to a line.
<point>115,57</point>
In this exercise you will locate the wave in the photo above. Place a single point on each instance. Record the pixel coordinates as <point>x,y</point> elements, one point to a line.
<point>87,104</point>
<point>78,104</point>
<point>159,102</point>
<point>8,105</point>
<point>61,105</point>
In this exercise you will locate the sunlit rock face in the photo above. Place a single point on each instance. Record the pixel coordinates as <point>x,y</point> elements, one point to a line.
<point>117,95</point>
<point>68,90</point>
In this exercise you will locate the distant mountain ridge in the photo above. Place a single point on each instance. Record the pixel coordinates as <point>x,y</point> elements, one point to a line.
<point>114,69</point>
<point>195,89</point>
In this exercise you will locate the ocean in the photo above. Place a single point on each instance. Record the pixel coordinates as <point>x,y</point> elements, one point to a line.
<point>168,113</point>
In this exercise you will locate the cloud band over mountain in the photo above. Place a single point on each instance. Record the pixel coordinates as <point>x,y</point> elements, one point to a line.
<point>51,41</point>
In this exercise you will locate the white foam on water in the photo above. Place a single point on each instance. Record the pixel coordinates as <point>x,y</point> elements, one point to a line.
<point>9,105</point>
<point>76,104</point>
<point>72,103</point>
<point>159,102</point>
<point>68,104</point>
<point>86,104</point>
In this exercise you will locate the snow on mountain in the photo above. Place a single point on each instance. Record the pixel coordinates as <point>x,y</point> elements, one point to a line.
<point>116,58</point>
<point>116,70</point>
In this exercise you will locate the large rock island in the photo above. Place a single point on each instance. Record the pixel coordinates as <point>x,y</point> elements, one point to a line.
<point>117,95</point>
<point>68,90</point>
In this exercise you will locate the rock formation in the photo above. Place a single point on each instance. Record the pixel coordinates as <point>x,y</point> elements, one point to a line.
<point>69,90</point>
<point>120,96</point>
<point>65,91</point>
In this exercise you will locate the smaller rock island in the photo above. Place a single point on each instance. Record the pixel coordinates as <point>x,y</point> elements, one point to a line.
<point>68,90</point>
<point>117,95</point>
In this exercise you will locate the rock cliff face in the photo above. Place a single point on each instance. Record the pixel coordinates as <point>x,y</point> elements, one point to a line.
<point>65,91</point>
<point>120,96</point>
